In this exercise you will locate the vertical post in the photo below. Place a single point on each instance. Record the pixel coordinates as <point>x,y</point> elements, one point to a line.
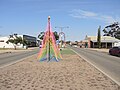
<point>61,28</point>
<point>61,39</point>
<point>106,44</point>
<point>49,37</point>
<point>93,45</point>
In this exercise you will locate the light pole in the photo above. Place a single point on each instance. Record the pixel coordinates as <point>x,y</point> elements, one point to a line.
<point>61,28</point>
<point>61,33</point>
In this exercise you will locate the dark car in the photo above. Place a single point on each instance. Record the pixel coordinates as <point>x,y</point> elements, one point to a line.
<point>115,51</point>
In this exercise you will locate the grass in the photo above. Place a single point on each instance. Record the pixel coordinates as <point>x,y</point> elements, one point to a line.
<point>67,51</point>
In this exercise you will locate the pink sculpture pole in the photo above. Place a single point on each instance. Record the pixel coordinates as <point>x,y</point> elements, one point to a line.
<point>49,48</point>
<point>49,36</point>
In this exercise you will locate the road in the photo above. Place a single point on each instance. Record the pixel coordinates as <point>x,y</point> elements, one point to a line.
<point>108,64</point>
<point>7,58</point>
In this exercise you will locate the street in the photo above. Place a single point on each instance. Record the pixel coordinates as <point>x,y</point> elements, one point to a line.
<point>105,62</point>
<point>7,58</point>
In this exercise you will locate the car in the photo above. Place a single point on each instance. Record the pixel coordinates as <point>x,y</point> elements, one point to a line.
<point>75,46</point>
<point>115,51</point>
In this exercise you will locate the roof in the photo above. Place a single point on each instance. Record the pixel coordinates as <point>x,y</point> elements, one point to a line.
<point>103,39</point>
<point>85,41</point>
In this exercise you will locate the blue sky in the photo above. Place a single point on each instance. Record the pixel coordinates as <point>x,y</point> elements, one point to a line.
<point>82,16</point>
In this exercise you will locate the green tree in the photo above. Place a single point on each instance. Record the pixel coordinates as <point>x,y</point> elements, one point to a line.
<point>68,42</point>
<point>99,37</point>
<point>56,35</point>
<point>112,30</point>
<point>41,35</point>
<point>14,39</point>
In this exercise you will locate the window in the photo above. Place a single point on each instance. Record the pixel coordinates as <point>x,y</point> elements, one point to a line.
<point>1,40</point>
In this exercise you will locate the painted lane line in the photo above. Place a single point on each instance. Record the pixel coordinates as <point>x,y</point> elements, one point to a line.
<point>117,82</point>
<point>6,65</point>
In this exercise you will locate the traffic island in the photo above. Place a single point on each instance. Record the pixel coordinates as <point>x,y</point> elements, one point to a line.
<point>70,73</point>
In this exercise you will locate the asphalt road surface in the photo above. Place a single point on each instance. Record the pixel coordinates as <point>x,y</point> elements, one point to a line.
<point>105,62</point>
<point>7,58</point>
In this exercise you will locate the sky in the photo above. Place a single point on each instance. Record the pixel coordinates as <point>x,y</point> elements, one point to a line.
<point>83,17</point>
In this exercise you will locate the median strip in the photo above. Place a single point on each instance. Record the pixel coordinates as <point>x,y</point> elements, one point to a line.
<point>70,73</point>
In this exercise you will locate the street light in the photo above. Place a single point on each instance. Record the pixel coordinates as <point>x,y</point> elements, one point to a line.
<point>61,28</point>
<point>61,34</point>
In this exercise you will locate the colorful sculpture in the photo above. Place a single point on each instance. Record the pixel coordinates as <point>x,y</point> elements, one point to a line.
<point>49,50</point>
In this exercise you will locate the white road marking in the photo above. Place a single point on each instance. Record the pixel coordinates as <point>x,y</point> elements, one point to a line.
<point>97,68</point>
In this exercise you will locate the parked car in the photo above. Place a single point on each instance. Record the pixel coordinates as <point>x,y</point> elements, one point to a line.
<point>115,51</point>
<point>74,45</point>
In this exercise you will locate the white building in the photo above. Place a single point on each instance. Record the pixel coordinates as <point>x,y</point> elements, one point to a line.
<point>30,39</point>
<point>117,43</point>
<point>4,44</point>
<point>106,42</point>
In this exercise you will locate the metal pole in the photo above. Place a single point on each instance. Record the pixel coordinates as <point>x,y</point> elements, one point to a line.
<point>49,37</point>
<point>61,28</point>
<point>61,36</point>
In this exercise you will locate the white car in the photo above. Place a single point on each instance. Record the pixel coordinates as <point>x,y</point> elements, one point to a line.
<point>74,45</point>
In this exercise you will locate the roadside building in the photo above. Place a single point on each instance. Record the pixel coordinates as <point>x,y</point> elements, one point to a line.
<point>117,44</point>
<point>3,43</point>
<point>74,44</point>
<point>106,41</point>
<point>31,42</point>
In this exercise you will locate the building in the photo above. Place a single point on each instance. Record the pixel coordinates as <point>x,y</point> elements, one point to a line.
<point>31,42</point>
<point>106,41</point>
<point>3,43</point>
<point>81,44</point>
<point>117,44</point>
<point>74,44</point>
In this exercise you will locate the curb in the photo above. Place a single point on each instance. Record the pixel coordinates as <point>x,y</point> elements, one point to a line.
<point>118,83</point>
<point>9,64</point>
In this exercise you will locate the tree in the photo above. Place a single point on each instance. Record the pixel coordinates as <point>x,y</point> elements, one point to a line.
<point>24,42</point>
<point>56,35</point>
<point>68,42</point>
<point>99,37</point>
<point>41,35</point>
<point>14,39</point>
<point>112,30</point>
<point>76,42</point>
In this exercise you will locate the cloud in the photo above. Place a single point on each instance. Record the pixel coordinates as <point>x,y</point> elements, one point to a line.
<point>82,14</point>
<point>78,13</point>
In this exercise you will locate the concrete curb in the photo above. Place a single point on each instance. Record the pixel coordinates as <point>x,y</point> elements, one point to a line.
<point>6,65</point>
<point>97,68</point>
